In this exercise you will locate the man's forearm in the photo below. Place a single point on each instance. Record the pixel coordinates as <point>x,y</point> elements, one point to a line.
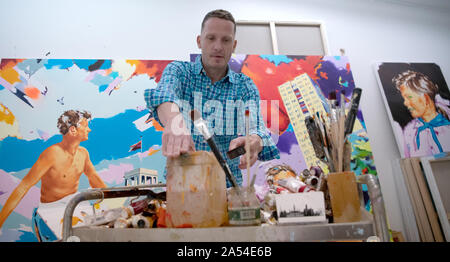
<point>12,202</point>
<point>97,182</point>
<point>167,112</point>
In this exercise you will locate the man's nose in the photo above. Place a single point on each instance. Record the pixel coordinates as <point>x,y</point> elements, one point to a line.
<point>218,46</point>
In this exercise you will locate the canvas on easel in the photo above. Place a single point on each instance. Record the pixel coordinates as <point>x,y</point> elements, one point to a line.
<point>417,99</point>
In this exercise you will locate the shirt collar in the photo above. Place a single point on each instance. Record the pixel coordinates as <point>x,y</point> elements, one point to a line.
<point>198,69</point>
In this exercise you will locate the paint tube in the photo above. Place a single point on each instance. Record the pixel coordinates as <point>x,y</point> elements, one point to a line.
<point>134,208</point>
<point>122,223</point>
<point>140,221</point>
<point>305,174</point>
<point>106,217</point>
<point>316,171</point>
<point>312,181</point>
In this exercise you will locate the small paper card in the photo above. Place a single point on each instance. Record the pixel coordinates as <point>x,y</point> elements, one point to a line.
<point>301,207</point>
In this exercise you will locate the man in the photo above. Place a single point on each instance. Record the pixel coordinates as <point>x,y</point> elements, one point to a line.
<point>208,86</point>
<point>59,167</point>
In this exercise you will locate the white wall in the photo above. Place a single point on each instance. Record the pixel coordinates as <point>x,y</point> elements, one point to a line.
<point>369,31</point>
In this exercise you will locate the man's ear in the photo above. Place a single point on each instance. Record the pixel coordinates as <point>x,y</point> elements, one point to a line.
<point>73,130</point>
<point>234,45</point>
<point>198,42</point>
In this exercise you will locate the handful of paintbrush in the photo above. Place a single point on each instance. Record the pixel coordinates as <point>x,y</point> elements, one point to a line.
<point>329,134</point>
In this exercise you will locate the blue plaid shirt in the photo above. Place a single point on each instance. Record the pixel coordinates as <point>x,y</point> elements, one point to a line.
<point>221,104</point>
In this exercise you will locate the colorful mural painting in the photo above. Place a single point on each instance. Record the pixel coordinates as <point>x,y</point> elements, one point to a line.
<point>123,136</point>
<point>34,93</point>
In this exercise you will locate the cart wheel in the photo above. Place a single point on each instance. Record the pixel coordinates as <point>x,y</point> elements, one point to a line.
<point>73,239</point>
<point>373,239</point>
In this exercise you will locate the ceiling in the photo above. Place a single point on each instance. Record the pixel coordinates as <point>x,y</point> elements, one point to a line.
<point>443,5</point>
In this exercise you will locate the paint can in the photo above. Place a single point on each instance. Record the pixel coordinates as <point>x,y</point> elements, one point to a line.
<point>243,209</point>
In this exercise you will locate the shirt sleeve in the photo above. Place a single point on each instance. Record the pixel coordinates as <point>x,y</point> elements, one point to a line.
<point>257,126</point>
<point>167,90</point>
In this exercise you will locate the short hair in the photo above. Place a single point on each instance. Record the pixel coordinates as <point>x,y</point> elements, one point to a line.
<point>71,118</point>
<point>416,81</point>
<point>219,13</point>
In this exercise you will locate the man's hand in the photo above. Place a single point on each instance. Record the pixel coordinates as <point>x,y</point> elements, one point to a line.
<point>176,138</point>
<point>255,148</point>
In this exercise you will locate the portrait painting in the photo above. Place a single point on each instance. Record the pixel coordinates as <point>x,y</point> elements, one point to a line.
<point>417,99</point>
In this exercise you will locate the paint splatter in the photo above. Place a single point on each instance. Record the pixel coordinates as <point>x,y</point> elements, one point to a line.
<point>6,115</point>
<point>10,75</point>
<point>32,92</point>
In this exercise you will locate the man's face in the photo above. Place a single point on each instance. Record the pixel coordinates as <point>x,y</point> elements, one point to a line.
<point>83,129</point>
<point>217,43</point>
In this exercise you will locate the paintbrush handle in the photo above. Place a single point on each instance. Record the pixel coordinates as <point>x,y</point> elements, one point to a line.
<point>247,146</point>
<point>350,120</point>
<point>341,141</point>
<point>222,162</point>
<point>247,156</point>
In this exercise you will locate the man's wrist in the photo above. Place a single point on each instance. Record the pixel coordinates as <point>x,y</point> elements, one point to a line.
<point>259,142</point>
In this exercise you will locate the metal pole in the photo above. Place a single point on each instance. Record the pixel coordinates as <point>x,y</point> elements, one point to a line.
<point>379,212</point>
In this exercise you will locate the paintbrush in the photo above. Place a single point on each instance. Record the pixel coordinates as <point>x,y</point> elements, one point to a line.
<point>332,104</point>
<point>202,127</point>
<point>326,129</point>
<point>324,139</point>
<point>351,117</point>
<point>247,144</point>
<point>341,127</point>
<point>314,136</point>
<point>334,128</point>
<point>253,181</point>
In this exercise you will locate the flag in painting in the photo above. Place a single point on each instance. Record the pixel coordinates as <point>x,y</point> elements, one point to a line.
<point>136,146</point>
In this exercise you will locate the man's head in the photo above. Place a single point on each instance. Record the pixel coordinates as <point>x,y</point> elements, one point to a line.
<point>75,123</point>
<point>217,39</point>
<point>222,14</point>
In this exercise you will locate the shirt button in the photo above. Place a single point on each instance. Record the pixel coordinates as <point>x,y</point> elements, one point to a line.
<point>207,86</point>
